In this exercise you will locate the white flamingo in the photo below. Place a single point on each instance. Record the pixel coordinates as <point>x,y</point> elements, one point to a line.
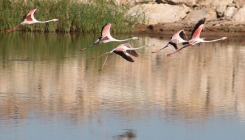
<point>30,19</point>
<point>124,50</point>
<point>177,38</point>
<point>106,36</point>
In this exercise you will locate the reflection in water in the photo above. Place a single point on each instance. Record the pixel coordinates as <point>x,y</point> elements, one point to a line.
<point>128,135</point>
<point>60,84</point>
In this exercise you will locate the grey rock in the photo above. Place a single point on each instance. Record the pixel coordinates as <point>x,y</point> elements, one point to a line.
<point>239,15</point>
<point>220,9</point>
<point>196,15</point>
<point>229,13</point>
<point>239,3</point>
<point>160,13</point>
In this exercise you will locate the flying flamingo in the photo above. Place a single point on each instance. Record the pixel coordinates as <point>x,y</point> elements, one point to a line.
<point>177,38</point>
<point>106,36</point>
<point>124,50</point>
<point>29,19</point>
<point>195,36</point>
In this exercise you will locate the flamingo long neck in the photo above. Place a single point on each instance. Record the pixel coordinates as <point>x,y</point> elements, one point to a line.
<point>138,47</point>
<point>112,51</point>
<point>118,40</point>
<point>213,40</point>
<point>45,21</point>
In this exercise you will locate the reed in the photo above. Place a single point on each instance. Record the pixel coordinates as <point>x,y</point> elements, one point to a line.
<point>73,16</point>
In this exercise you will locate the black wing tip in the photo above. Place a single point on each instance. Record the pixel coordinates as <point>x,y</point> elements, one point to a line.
<point>128,58</point>
<point>131,60</point>
<point>184,43</point>
<point>200,22</point>
<point>123,55</point>
<point>182,34</point>
<point>174,45</point>
<point>133,53</point>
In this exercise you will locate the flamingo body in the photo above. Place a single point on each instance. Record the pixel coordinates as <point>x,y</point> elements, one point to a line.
<point>106,36</point>
<point>124,50</point>
<point>30,19</point>
<point>177,38</point>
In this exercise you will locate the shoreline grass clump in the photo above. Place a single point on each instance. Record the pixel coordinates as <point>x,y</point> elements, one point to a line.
<point>74,16</point>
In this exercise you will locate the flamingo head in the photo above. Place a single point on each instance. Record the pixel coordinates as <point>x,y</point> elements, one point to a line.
<point>135,38</point>
<point>55,19</point>
<point>223,38</point>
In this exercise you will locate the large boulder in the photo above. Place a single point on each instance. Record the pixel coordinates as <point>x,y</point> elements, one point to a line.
<point>220,9</point>
<point>239,15</point>
<point>239,3</point>
<point>160,13</point>
<point>196,15</point>
<point>229,13</point>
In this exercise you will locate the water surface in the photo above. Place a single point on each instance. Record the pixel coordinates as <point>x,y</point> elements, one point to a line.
<point>51,90</point>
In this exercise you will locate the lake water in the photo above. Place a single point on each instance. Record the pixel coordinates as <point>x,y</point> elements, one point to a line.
<point>51,90</point>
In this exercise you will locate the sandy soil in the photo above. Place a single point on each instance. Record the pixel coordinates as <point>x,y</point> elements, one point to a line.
<point>212,28</point>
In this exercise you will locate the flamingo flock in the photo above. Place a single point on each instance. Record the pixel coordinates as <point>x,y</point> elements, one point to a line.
<point>125,50</point>
<point>195,37</point>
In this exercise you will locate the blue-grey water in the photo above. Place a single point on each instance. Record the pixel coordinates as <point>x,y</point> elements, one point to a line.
<point>51,90</point>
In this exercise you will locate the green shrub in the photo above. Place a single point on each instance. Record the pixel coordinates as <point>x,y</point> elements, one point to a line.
<point>73,16</point>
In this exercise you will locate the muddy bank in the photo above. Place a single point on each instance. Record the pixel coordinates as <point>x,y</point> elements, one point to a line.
<point>212,28</point>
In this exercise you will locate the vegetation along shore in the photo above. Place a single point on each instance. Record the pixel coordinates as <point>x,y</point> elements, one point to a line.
<point>127,16</point>
<point>74,16</point>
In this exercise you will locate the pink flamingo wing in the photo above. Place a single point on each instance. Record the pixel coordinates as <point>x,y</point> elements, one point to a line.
<point>197,32</point>
<point>28,18</point>
<point>30,15</point>
<point>121,48</point>
<point>106,30</point>
<point>176,35</point>
<point>198,28</point>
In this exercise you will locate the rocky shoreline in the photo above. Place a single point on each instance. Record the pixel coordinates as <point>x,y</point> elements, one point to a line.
<point>212,28</point>
<point>166,16</point>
